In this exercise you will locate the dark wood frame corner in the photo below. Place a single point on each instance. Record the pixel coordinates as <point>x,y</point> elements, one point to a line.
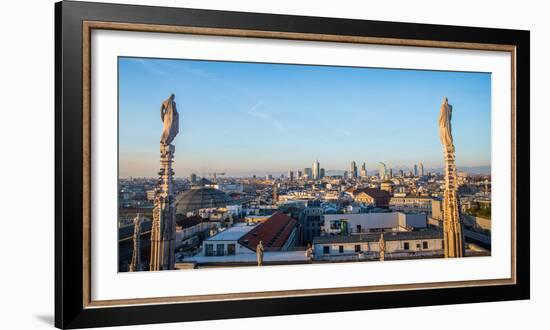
<point>74,22</point>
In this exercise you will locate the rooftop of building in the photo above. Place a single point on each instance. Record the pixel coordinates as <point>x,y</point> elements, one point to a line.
<point>275,256</point>
<point>273,233</point>
<point>203,182</point>
<point>410,196</point>
<point>382,213</point>
<point>374,237</point>
<point>186,222</point>
<point>373,192</point>
<point>201,198</point>
<point>233,233</point>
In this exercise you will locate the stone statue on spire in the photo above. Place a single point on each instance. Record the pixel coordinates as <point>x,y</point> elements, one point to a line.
<point>260,253</point>
<point>382,247</point>
<point>445,131</point>
<point>135,264</point>
<point>170,120</point>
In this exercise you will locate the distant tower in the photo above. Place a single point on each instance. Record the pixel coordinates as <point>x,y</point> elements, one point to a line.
<point>322,173</point>
<point>452,227</point>
<point>275,194</point>
<point>308,173</point>
<point>353,170</point>
<point>193,178</point>
<point>316,170</point>
<point>299,174</point>
<point>401,174</point>
<point>163,230</point>
<point>290,175</point>
<point>382,171</point>
<point>135,264</point>
<point>421,166</point>
<point>415,170</point>
<point>390,173</point>
<point>364,170</point>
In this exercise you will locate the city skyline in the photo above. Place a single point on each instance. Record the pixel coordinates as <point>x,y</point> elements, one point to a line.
<point>372,171</point>
<point>248,118</point>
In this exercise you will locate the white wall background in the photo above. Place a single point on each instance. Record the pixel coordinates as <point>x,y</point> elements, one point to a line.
<point>27,161</point>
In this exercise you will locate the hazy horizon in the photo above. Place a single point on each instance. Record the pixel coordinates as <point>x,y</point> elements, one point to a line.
<point>480,170</point>
<point>255,118</point>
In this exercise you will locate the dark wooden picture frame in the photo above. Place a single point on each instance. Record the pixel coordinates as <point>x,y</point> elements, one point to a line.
<point>73,24</point>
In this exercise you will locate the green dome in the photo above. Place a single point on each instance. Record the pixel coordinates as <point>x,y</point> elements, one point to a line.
<point>201,198</point>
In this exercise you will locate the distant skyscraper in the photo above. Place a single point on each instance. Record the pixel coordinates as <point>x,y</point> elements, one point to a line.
<point>290,175</point>
<point>382,171</point>
<point>415,167</point>
<point>364,170</point>
<point>353,170</point>
<point>401,174</point>
<point>316,170</point>
<point>308,173</point>
<point>391,173</point>
<point>346,174</point>
<point>299,174</point>
<point>193,178</point>
<point>322,172</point>
<point>421,169</point>
<point>268,176</point>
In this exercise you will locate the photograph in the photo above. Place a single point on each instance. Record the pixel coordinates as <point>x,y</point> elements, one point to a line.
<point>251,164</point>
<point>218,164</point>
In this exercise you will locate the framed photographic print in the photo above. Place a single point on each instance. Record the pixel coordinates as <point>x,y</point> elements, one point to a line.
<point>215,164</point>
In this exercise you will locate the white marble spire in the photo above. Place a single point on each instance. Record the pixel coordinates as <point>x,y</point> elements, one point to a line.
<point>135,264</point>
<point>452,226</point>
<point>163,229</point>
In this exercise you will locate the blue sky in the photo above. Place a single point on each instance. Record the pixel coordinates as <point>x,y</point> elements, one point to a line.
<point>244,118</point>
